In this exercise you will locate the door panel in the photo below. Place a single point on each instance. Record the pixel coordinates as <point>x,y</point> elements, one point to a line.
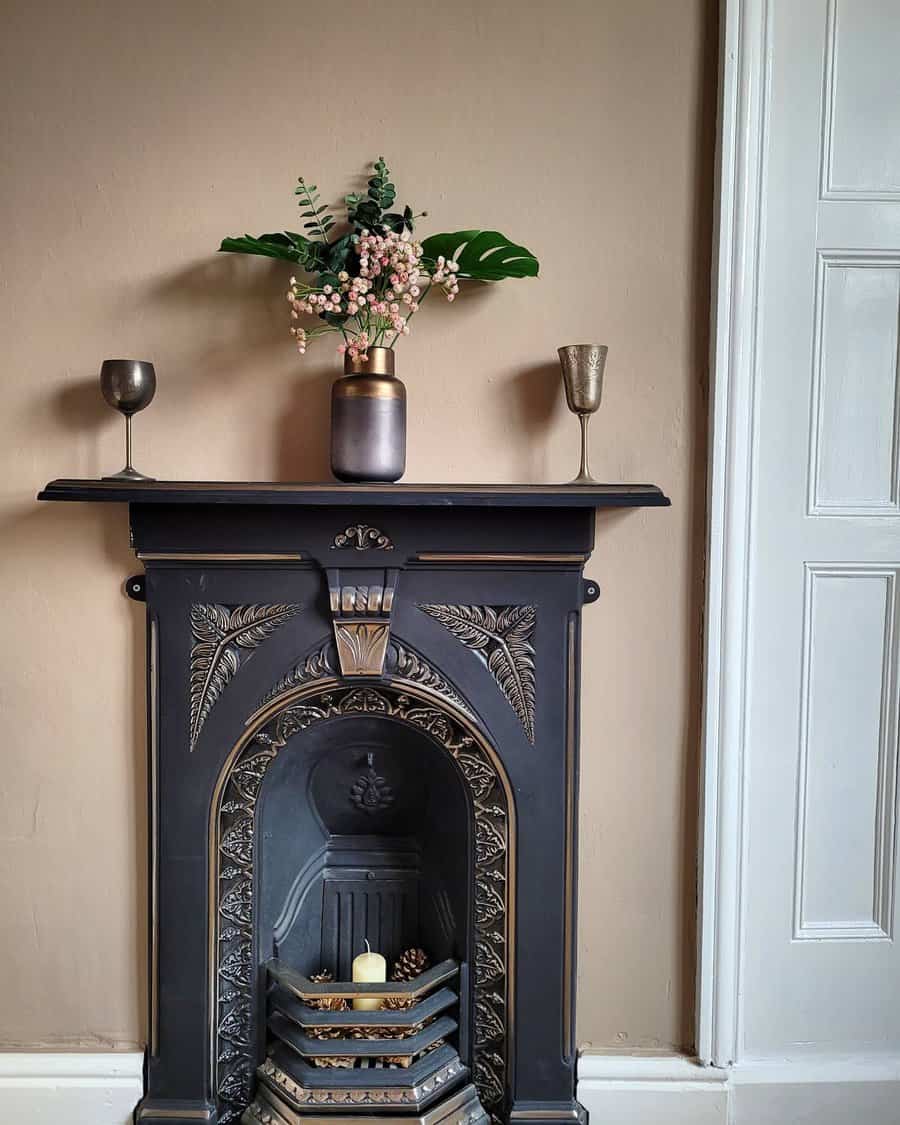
<point>820,969</point>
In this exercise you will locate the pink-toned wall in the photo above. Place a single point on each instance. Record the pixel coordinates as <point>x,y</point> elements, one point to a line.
<point>134,136</point>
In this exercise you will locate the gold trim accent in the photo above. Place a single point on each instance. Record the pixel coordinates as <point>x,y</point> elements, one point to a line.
<point>368,386</point>
<point>545,1114</point>
<point>193,1114</point>
<point>234,556</point>
<point>571,757</point>
<point>154,837</point>
<point>414,691</point>
<point>362,646</point>
<point>379,361</point>
<point>441,556</point>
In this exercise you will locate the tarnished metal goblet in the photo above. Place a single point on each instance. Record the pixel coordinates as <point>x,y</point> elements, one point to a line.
<point>582,371</point>
<point>128,385</point>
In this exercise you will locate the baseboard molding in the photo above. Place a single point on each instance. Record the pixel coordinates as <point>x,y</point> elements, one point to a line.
<point>103,1087</point>
<point>674,1090</point>
<point>618,1089</point>
<point>80,1088</point>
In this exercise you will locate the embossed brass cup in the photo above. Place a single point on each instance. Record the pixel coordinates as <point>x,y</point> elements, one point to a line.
<point>582,372</point>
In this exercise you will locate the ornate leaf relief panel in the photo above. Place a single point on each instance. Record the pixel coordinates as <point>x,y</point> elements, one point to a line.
<point>223,637</point>
<point>234,921</point>
<point>362,537</point>
<point>402,663</point>
<point>500,636</point>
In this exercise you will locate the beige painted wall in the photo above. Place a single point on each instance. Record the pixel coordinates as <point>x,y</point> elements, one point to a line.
<point>134,136</point>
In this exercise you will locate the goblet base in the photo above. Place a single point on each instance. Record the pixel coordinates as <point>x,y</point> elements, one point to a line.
<point>583,478</point>
<point>128,474</point>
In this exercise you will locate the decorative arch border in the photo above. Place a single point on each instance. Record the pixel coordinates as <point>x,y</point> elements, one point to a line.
<point>232,832</point>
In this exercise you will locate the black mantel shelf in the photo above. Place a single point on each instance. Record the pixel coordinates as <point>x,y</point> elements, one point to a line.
<point>350,495</point>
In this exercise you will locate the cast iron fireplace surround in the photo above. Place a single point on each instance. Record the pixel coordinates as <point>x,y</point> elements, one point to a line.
<point>363,724</point>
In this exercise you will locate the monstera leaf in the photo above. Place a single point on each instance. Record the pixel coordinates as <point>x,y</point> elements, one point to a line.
<point>482,255</point>
<point>285,245</point>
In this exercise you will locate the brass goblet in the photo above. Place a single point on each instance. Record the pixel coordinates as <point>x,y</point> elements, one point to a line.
<point>128,385</point>
<point>582,372</point>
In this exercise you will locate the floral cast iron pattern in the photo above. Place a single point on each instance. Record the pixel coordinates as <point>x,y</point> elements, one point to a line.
<point>370,793</point>
<point>234,836</point>
<point>223,637</point>
<point>500,636</point>
<point>403,663</point>
<point>352,1097</point>
<point>362,537</point>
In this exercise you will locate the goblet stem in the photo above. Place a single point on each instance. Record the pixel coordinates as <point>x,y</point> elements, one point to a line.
<point>129,473</point>
<point>584,475</point>
<point>128,465</point>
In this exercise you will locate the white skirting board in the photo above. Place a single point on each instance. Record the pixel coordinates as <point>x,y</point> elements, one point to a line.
<point>673,1090</point>
<point>77,1087</point>
<point>102,1088</point>
<point>651,1090</point>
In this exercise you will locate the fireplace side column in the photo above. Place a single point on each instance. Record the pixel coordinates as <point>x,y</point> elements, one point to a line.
<point>545,1056</point>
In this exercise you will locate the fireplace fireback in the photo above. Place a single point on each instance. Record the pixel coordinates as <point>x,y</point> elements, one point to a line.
<point>363,727</point>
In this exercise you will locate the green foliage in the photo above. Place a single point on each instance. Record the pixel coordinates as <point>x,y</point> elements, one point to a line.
<point>381,191</point>
<point>366,211</point>
<point>482,255</point>
<point>399,222</point>
<point>320,220</point>
<point>315,254</point>
<point>286,246</point>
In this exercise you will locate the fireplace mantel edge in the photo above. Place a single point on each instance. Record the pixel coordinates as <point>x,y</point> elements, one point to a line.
<point>333,494</point>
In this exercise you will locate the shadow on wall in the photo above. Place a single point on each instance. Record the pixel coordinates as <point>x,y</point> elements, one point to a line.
<point>534,404</point>
<point>238,300</point>
<point>304,432</point>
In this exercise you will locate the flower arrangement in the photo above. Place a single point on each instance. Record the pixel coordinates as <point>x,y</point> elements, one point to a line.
<point>368,280</point>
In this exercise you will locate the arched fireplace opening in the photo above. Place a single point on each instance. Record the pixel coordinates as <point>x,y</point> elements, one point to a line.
<point>364,834</point>
<point>348,814</point>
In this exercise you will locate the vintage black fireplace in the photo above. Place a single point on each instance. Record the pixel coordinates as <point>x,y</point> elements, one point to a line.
<point>363,726</point>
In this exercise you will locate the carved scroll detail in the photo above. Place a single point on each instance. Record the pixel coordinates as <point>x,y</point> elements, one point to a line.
<point>223,637</point>
<point>500,636</point>
<point>362,537</point>
<point>234,905</point>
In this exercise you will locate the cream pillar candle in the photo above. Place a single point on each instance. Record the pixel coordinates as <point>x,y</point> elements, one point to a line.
<point>372,967</point>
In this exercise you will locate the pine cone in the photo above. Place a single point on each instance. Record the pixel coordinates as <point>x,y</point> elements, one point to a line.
<point>411,964</point>
<point>327,1003</point>
<point>398,1003</point>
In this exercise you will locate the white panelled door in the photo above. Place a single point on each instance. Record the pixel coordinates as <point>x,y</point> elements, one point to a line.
<point>820,959</point>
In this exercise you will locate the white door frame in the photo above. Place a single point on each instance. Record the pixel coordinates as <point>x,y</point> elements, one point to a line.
<point>740,169</point>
